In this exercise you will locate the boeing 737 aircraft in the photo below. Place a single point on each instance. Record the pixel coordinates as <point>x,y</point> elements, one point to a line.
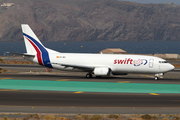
<point>97,64</point>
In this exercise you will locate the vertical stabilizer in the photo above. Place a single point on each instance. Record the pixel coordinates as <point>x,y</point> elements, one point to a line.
<point>35,47</point>
<point>28,35</point>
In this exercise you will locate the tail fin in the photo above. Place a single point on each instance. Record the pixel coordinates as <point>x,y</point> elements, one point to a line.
<point>29,38</point>
<point>35,47</point>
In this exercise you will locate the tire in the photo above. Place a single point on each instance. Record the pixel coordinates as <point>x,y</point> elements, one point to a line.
<point>88,75</point>
<point>156,78</point>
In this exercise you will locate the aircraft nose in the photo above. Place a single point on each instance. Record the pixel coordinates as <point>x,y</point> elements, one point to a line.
<point>171,67</point>
<point>166,67</point>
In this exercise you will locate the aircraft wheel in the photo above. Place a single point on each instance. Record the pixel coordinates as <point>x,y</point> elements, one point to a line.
<point>156,78</point>
<point>88,75</point>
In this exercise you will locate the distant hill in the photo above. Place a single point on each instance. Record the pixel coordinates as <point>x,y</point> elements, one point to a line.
<point>90,20</point>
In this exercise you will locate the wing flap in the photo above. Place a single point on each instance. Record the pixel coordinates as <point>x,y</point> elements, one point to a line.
<point>76,66</point>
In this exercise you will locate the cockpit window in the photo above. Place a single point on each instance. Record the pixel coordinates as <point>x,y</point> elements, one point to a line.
<point>163,62</point>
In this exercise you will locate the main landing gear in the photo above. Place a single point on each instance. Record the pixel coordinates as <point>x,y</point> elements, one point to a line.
<point>89,75</point>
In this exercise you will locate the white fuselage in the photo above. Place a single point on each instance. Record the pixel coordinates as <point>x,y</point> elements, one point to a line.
<point>118,63</point>
<point>97,64</point>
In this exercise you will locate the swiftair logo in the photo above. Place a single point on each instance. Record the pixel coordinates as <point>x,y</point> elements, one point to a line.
<point>131,61</point>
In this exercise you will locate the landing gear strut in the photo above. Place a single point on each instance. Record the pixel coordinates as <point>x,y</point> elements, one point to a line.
<point>157,76</point>
<point>89,75</point>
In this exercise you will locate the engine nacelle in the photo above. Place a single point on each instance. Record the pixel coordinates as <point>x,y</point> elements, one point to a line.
<point>102,71</point>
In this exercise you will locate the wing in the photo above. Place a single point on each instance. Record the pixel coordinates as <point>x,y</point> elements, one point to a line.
<point>23,54</point>
<point>86,68</point>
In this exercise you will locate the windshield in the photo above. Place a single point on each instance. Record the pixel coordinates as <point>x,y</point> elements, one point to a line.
<point>163,62</point>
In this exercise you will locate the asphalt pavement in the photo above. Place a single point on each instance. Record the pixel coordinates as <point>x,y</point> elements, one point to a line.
<point>70,102</point>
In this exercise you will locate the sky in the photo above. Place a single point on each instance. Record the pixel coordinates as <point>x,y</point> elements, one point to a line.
<point>155,1</point>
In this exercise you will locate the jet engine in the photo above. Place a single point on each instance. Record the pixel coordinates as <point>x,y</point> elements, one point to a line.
<point>102,71</point>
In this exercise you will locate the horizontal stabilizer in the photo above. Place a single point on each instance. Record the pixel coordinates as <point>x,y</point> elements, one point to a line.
<point>23,54</point>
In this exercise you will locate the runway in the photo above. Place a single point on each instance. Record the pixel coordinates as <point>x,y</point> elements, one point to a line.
<point>87,103</point>
<point>72,99</point>
<point>38,101</point>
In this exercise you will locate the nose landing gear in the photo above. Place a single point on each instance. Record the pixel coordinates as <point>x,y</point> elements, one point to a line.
<point>157,76</point>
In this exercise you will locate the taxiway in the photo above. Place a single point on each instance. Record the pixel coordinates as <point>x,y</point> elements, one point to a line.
<point>38,101</point>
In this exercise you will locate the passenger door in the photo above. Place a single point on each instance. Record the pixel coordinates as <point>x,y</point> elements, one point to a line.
<point>151,63</point>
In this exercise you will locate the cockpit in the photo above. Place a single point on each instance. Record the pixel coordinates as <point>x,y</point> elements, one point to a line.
<point>163,62</point>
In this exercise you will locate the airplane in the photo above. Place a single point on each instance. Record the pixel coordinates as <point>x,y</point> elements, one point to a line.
<point>94,64</point>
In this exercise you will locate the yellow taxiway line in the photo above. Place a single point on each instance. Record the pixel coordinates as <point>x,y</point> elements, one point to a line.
<point>79,92</point>
<point>63,80</point>
<point>124,82</point>
<point>153,94</point>
<point>5,78</point>
<point>9,90</point>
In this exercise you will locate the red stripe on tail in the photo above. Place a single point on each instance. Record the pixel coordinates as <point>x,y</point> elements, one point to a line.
<point>37,50</point>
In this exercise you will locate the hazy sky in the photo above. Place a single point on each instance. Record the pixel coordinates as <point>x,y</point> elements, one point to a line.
<point>155,1</point>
